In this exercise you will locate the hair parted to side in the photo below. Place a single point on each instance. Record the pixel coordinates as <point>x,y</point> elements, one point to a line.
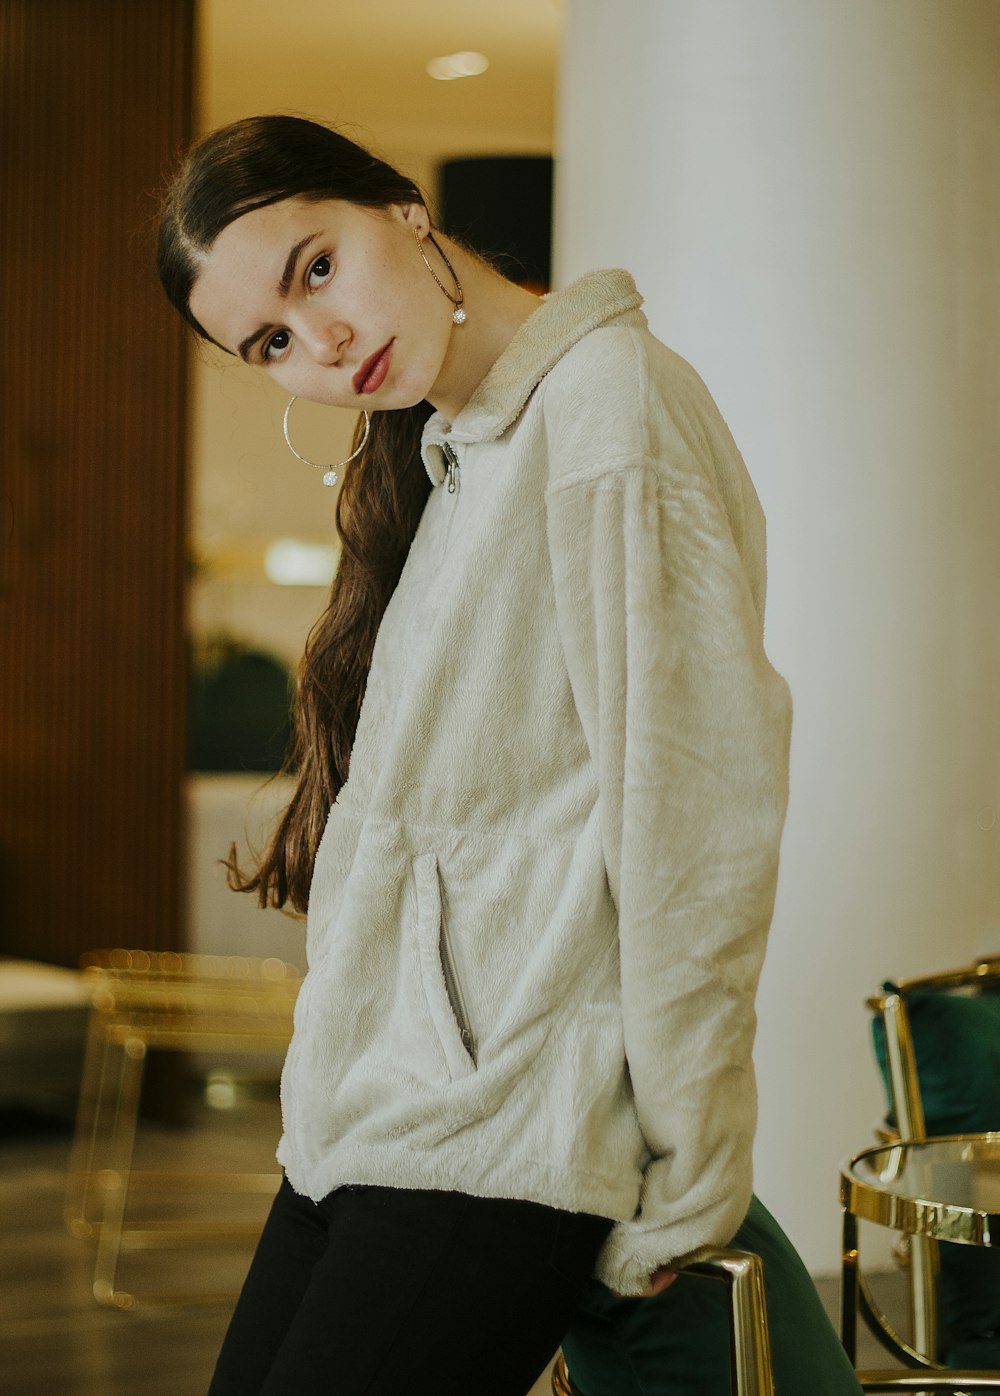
<point>253,163</point>
<point>244,166</point>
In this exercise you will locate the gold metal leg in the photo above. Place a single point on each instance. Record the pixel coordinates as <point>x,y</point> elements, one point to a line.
<point>849,1287</point>
<point>924,1266</point>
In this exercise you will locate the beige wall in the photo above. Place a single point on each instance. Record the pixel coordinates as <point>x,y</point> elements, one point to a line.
<point>808,195</point>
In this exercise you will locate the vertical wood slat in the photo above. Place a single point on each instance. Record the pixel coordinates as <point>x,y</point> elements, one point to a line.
<point>95,100</point>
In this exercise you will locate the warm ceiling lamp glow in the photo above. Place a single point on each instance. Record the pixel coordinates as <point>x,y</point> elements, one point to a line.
<point>290,562</point>
<point>458,65</point>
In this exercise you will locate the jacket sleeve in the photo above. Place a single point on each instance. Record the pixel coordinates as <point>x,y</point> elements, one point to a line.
<point>688,728</point>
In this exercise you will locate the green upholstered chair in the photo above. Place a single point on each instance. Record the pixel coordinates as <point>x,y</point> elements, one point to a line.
<point>677,1343</point>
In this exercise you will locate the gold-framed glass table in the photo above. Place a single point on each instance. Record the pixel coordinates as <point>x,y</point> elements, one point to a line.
<point>938,1189</point>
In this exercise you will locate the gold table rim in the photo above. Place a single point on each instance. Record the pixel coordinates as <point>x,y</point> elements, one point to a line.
<point>920,1216</point>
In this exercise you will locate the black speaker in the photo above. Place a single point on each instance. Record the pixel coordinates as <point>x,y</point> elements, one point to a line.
<point>501,205</point>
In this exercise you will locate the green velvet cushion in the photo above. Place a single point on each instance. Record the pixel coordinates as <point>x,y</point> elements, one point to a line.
<point>678,1343</point>
<point>956,1039</point>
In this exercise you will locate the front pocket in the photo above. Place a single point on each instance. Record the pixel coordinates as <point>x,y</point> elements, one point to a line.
<point>442,990</point>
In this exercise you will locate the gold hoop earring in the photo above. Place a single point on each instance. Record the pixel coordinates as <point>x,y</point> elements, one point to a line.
<point>458,315</point>
<point>330,478</point>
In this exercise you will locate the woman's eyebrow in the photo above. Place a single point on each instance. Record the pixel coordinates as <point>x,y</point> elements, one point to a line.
<point>284,286</point>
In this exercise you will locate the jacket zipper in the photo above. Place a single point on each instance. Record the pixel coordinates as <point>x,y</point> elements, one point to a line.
<point>455,995</point>
<point>452,472</point>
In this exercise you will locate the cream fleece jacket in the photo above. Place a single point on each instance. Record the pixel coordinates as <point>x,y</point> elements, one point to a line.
<point>540,903</point>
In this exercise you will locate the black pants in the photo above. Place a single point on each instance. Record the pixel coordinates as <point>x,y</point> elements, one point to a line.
<point>381,1290</point>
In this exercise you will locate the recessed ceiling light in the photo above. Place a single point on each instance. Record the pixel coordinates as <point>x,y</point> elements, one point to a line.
<point>458,65</point>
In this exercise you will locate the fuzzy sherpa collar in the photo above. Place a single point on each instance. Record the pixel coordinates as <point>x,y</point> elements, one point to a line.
<point>562,318</point>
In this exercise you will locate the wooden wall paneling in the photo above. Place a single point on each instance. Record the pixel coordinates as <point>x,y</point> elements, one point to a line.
<point>95,101</point>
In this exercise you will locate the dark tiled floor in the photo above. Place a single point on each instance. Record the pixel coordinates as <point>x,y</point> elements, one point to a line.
<point>56,1341</point>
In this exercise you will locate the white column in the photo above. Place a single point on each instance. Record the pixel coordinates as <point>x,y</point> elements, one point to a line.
<point>809,197</point>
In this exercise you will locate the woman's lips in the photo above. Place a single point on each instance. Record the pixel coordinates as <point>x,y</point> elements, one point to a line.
<point>371,375</point>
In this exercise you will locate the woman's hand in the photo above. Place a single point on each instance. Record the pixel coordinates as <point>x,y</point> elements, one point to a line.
<point>661,1279</point>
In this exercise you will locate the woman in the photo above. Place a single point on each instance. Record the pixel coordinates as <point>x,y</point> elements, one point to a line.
<point>538,904</point>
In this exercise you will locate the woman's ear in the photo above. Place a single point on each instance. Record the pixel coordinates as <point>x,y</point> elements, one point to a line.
<point>416,217</point>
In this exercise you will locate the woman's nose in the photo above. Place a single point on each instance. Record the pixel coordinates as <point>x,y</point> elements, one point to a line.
<point>325,339</point>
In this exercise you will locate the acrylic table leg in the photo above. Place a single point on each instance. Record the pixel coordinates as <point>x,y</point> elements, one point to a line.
<point>116,1178</point>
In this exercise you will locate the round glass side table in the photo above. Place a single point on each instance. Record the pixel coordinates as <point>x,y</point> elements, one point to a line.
<point>944,1189</point>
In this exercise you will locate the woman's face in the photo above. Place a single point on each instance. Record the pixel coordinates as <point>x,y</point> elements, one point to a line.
<point>332,300</point>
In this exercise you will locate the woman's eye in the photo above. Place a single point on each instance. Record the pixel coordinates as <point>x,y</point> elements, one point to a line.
<point>318,272</point>
<point>276,345</point>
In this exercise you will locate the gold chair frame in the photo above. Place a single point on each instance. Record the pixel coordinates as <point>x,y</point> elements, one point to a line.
<point>750,1366</point>
<point>924,1263</point>
<point>142,1000</point>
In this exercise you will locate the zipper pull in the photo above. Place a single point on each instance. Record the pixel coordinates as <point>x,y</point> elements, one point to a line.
<point>451,474</point>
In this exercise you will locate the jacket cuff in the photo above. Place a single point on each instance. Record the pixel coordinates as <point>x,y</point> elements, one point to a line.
<point>631,1255</point>
<point>636,1249</point>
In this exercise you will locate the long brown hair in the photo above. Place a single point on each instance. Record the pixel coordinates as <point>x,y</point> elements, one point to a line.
<point>245,166</point>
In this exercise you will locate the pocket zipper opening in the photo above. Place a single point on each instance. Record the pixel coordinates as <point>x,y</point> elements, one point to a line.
<point>455,995</point>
